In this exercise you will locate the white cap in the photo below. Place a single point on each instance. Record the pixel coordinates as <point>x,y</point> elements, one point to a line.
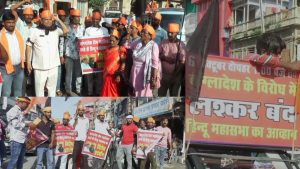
<point>129,117</point>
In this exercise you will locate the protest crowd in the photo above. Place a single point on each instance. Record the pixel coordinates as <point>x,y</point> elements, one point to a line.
<point>81,142</point>
<point>56,55</point>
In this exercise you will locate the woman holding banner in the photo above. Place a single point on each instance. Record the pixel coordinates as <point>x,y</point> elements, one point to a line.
<point>144,75</point>
<point>113,66</point>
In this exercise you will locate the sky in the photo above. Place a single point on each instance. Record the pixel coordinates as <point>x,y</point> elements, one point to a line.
<point>59,106</point>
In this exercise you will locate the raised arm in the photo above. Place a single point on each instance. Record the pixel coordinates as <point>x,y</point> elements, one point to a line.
<point>15,7</point>
<point>64,27</point>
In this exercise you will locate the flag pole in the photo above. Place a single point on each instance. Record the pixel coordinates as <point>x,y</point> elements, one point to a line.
<point>262,17</point>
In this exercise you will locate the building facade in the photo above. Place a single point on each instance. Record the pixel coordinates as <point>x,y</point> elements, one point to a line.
<point>252,19</point>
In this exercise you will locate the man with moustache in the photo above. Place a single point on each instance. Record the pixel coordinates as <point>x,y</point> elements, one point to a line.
<point>150,157</point>
<point>128,131</point>
<point>161,34</point>
<point>97,31</point>
<point>172,55</point>
<point>18,132</point>
<point>47,127</point>
<point>72,59</point>
<point>45,60</point>
<point>81,125</point>
<point>25,27</point>
<point>12,51</point>
<point>64,126</point>
<point>164,143</point>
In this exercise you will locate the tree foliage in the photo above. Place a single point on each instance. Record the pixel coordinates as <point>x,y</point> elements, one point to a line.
<point>96,4</point>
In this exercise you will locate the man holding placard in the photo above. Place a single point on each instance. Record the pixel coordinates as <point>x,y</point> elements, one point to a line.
<point>65,137</point>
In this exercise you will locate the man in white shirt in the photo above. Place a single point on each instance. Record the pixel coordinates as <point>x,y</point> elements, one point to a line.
<point>45,60</point>
<point>96,30</point>
<point>18,131</point>
<point>81,125</point>
<point>12,56</point>
<point>25,27</point>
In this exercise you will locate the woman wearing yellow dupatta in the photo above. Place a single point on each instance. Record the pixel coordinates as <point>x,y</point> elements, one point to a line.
<point>113,65</point>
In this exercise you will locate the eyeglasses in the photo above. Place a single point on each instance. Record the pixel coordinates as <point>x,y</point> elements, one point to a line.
<point>47,19</point>
<point>80,109</point>
<point>145,33</point>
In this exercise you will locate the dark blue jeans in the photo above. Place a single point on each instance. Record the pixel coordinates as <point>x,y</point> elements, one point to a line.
<point>17,151</point>
<point>2,152</point>
<point>49,155</point>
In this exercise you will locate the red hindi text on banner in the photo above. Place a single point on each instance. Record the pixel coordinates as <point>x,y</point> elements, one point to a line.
<point>146,141</point>
<point>241,105</point>
<point>35,138</point>
<point>96,144</point>
<point>64,140</point>
<point>92,53</point>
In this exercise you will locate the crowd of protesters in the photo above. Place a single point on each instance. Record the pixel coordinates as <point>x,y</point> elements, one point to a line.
<point>40,56</point>
<point>122,150</point>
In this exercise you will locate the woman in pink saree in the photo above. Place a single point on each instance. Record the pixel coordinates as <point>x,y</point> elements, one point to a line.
<point>144,75</point>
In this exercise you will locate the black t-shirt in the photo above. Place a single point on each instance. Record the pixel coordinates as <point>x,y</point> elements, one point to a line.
<point>47,129</point>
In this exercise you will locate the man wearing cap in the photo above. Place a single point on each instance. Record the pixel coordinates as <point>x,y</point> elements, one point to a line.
<point>72,59</point>
<point>151,156</point>
<point>161,34</point>
<point>47,127</point>
<point>18,132</point>
<point>64,126</point>
<point>97,31</point>
<point>12,56</point>
<point>25,27</point>
<point>172,55</point>
<point>128,131</point>
<point>61,68</point>
<point>101,126</point>
<point>45,61</point>
<point>164,144</point>
<point>81,125</point>
<point>122,23</point>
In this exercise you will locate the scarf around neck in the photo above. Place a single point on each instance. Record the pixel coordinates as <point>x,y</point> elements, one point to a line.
<point>5,50</point>
<point>146,51</point>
